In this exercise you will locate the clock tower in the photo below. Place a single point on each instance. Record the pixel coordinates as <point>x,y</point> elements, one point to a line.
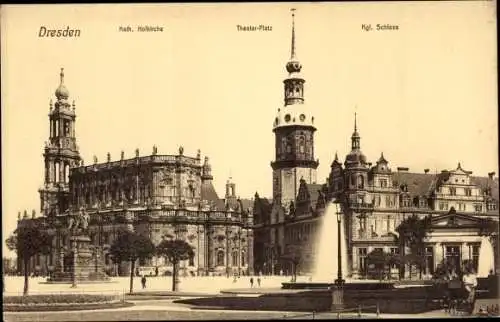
<point>294,136</point>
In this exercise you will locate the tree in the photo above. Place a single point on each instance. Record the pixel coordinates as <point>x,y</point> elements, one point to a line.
<point>130,246</point>
<point>488,228</point>
<point>11,242</point>
<point>379,261</point>
<point>411,233</point>
<point>175,251</point>
<point>292,255</point>
<point>28,241</point>
<point>294,259</point>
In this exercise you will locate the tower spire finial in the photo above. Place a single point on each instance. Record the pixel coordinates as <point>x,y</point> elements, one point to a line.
<point>62,75</point>
<point>355,122</point>
<point>292,55</point>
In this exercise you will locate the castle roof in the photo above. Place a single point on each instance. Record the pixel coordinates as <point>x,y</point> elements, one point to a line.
<point>421,184</point>
<point>209,194</point>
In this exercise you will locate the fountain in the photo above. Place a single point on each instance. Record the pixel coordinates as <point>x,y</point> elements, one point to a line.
<point>326,264</point>
<point>486,258</point>
<point>326,260</point>
<point>325,292</point>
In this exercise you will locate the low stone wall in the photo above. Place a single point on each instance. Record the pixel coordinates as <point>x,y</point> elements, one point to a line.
<point>347,286</point>
<point>403,300</point>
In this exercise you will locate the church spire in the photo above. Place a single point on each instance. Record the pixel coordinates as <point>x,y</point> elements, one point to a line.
<point>355,138</point>
<point>293,66</point>
<point>61,75</point>
<point>292,55</point>
<point>355,123</point>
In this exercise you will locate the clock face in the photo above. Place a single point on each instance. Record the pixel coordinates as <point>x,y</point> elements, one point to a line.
<point>302,117</point>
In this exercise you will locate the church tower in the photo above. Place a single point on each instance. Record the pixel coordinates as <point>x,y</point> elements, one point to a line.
<point>60,154</point>
<point>294,134</point>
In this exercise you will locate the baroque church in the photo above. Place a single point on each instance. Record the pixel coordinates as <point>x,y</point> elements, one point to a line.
<point>159,196</point>
<point>374,199</point>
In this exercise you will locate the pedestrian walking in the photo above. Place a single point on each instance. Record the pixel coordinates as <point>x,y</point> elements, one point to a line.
<point>258,281</point>
<point>143,281</point>
<point>251,282</point>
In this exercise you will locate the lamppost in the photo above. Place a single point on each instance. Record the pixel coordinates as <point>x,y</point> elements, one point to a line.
<point>227,244</point>
<point>73,276</point>
<point>338,288</point>
<point>239,252</point>
<point>340,281</point>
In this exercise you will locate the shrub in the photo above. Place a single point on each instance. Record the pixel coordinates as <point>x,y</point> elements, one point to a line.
<point>58,299</point>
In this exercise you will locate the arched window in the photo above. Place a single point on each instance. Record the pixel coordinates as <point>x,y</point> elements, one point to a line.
<point>66,173</point>
<point>243,258</point>
<point>235,258</point>
<point>301,144</point>
<point>66,128</point>
<point>288,145</point>
<point>220,258</point>
<point>191,261</point>
<point>56,174</point>
<point>283,145</point>
<point>192,192</point>
<point>353,180</point>
<point>361,182</point>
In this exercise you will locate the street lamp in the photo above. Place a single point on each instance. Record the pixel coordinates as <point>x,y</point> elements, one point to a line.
<point>340,281</point>
<point>338,288</point>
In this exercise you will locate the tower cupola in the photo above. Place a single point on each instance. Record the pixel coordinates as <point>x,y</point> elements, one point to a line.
<point>355,157</point>
<point>62,92</point>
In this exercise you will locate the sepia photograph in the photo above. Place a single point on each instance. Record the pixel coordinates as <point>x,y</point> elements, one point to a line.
<point>249,161</point>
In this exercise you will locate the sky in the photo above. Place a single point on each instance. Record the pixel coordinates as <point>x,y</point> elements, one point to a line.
<point>425,94</point>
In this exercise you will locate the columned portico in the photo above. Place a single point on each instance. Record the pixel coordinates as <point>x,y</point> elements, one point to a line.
<point>455,238</point>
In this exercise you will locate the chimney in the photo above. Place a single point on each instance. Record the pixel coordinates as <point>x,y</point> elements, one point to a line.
<point>490,175</point>
<point>426,171</point>
<point>403,169</point>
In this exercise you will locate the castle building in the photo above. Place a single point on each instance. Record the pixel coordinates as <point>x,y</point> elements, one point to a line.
<point>375,199</point>
<point>159,196</point>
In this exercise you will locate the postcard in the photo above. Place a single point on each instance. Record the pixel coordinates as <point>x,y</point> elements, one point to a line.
<point>249,160</point>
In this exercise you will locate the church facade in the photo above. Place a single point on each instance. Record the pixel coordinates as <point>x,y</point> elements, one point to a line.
<point>159,196</point>
<point>374,199</point>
